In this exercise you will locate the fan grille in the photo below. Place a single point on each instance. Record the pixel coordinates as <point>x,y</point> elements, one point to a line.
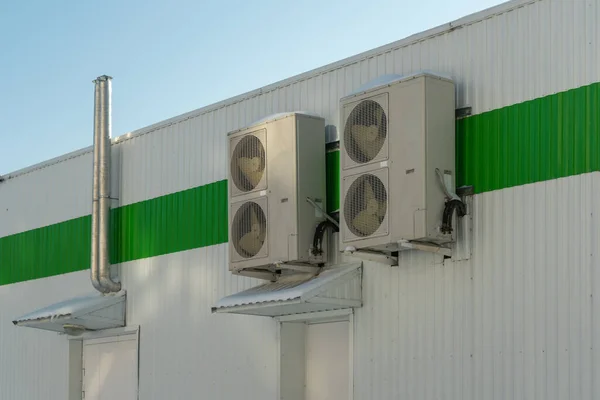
<point>249,229</point>
<point>248,163</point>
<point>365,131</point>
<point>365,205</point>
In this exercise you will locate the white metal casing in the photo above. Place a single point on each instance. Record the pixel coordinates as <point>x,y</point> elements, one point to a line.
<point>294,147</point>
<point>419,140</point>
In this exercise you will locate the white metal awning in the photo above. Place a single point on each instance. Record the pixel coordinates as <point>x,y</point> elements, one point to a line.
<point>93,312</point>
<point>333,289</point>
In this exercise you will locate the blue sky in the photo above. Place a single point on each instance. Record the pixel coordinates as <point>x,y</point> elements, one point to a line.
<point>170,57</point>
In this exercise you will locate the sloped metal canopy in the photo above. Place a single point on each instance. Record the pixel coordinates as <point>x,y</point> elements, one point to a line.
<point>333,289</point>
<point>94,312</point>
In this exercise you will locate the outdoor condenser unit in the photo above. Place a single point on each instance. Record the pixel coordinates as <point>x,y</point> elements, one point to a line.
<point>276,166</point>
<point>397,144</point>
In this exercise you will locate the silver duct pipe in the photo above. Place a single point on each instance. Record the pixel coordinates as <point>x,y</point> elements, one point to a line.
<point>100,267</point>
<point>96,190</point>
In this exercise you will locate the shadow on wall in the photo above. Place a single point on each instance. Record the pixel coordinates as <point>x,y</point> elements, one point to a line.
<point>170,297</point>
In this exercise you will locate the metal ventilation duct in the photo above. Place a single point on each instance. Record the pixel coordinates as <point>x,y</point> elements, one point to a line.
<point>100,262</point>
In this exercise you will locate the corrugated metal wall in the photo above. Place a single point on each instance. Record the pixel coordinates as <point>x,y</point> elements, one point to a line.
<point>46,196</point>
<point>542,139</point>
<point>537,49</point>
<point>540,48</point>
<point>34,364</point>
<point>516,321</point>
<point>185,351</point>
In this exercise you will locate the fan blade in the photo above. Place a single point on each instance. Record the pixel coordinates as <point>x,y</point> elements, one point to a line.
<point>253,218</point>
<point>365,222</point>
<point>372,207</point>
<point>369,193</point>
<point>363,134</point>
<point>252,242</point>
<point>251,169</point>
<point>367,139</point>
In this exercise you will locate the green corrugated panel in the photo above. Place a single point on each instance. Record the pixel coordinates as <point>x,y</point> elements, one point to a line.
<point>176,222</point>
<point>47,251</point>
<point>332,162</point>
<point>542,139</point>
<point>180,221</point>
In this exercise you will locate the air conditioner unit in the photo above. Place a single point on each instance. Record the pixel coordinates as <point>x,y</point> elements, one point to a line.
<point>275,165</point>
<point>397,144</point>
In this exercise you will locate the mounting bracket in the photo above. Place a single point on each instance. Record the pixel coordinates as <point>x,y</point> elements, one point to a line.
<point>380,258</point>
<point>430,248</point>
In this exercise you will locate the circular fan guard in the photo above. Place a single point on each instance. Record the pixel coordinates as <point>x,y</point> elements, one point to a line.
<point>365,131</point>
<point>365,205</point>
<point>248,163</point>
<point>249,229</point>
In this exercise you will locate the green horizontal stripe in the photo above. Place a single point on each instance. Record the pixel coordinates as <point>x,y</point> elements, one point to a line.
<point>332,165</point>
<point>175,222</point>
<point>51,250</point>
<point>538,140</point>
<point>546,138</point>
<point>180,221</point>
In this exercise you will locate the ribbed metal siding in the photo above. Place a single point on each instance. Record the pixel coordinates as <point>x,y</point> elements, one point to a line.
<point>46,196</point>
<point>516,321</point>
<point>54,250</point>
<point>527,337</point>
<point>179,221</point>
<point>541,48</point>
<point>185,351</point>
<point>34,363</point>
<point>542,139</point>
<point>188,154</point>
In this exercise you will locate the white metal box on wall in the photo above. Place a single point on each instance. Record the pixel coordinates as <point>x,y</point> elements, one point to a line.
<point>393,138</point>
<point>275,165</point>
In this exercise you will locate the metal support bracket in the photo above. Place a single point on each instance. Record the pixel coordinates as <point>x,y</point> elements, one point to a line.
<point>312,269</point>
<point>430,248</point>
<point>463,112</point>
<point>265,275</point>
<point>380,258</point>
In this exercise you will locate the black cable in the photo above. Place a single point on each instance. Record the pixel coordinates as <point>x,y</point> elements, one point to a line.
<point>451,206</point>
<point>319,233</point>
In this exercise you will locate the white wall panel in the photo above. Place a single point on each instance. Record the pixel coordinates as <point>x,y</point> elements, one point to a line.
<point>185,351</point>
<point>34,364</point>
<point>528,49</point>
<point>47,195</point>
<point>516,321</point>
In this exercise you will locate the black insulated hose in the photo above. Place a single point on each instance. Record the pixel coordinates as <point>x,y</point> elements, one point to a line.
<point>451,206</point>
<point>320,233</point>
